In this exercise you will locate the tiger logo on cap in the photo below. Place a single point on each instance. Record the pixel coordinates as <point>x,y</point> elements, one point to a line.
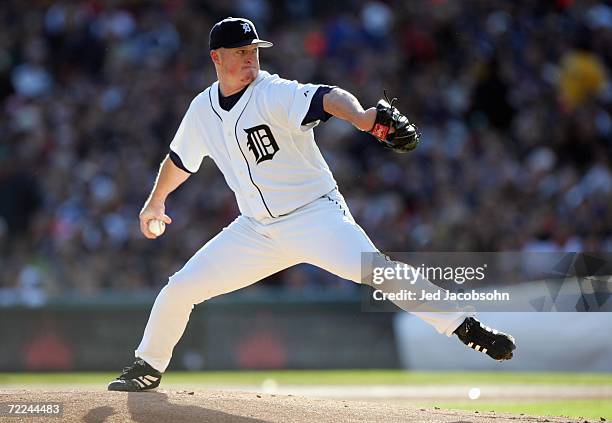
<point>246,27</point>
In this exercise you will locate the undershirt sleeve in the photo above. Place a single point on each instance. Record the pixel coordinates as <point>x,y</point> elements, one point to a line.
<point>316,111</point>
<point>178,162</point>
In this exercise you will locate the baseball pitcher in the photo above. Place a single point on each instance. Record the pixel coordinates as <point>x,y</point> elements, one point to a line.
<point>258,129</point>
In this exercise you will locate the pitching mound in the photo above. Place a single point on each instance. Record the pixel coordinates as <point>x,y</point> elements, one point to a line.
<point>217,406</point>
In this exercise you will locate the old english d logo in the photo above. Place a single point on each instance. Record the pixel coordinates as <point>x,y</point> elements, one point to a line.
<point>261,142</point>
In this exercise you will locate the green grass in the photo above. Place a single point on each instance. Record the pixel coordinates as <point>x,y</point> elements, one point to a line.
<point>324,377</point>
<point>591,409</point>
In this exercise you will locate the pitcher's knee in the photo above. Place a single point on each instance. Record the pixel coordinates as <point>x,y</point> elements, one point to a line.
<point>183,289</point>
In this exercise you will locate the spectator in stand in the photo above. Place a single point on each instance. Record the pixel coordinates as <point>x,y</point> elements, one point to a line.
<point>513,98</point>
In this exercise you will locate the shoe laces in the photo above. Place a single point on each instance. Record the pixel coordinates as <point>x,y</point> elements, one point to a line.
<point>127,371</point>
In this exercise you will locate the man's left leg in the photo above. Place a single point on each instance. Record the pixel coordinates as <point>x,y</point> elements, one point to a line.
<point>325,234</point>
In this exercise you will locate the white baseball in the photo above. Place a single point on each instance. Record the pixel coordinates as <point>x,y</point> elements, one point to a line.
<point>474,393</point>
<point>157,227</point>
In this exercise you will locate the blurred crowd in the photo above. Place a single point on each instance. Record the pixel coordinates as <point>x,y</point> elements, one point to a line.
<point>513,99</point>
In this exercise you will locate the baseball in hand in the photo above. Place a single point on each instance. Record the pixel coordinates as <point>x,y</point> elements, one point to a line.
<point>157,227</point>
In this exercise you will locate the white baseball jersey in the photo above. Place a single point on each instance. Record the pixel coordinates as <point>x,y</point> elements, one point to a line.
<point>273,166</point>
<point>268,158</point>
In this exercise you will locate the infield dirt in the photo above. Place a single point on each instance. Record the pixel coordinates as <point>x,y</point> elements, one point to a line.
<point>221,406</point>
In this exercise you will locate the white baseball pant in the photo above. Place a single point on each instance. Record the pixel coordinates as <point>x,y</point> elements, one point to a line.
<point>322,233</point>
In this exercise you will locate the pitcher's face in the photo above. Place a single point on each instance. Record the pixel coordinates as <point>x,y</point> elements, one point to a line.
<point>237,65</point>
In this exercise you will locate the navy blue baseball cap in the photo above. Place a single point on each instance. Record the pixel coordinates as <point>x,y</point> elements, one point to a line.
<point>235,32</point>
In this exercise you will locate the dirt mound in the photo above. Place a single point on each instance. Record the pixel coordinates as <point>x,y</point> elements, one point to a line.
<point>217,406</point>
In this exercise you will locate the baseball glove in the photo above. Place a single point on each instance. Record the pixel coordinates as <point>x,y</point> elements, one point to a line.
<point>405,136</point>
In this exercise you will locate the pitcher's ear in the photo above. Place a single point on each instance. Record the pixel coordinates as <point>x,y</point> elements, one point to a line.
<point>214,55</point>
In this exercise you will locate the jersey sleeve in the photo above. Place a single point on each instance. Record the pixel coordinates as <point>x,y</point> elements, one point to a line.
<point>291,101</point>
<point>187,149</point>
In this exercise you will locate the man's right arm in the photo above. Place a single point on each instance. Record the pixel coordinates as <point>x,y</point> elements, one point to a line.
<point>169,178</point>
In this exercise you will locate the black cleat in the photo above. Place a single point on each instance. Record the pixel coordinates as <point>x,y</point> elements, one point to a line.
<point>140,376</point>
<point>497,345</point>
